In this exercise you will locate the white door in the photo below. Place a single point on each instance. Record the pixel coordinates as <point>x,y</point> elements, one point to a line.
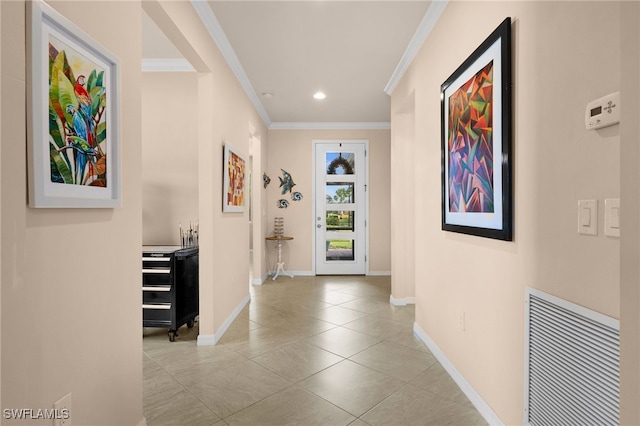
<point>340,207</point>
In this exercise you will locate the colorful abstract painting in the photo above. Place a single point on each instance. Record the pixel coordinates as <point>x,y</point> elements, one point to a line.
<point>233,181</point>
<point>476,122</point>
<point>470,144</point>
<point>77,118</point>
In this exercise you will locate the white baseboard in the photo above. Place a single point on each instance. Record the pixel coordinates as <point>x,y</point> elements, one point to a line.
<point>212,339</point>
<point>302,273</point>
<point>403,301</point>
<point>260,281</point>
<point>475,398</point>
<point>379,273</point>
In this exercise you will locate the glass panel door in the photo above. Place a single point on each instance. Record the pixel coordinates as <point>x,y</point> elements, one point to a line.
<point>340,208</point>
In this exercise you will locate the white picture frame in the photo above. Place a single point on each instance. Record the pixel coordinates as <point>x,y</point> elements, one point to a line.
<point>74,115</point>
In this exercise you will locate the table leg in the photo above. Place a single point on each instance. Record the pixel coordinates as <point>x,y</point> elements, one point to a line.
<point>280,263</point>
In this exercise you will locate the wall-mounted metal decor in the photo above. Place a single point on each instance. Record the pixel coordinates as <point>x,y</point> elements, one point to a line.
<point>266,180</point>
<point>286,182</point>
<point>296,196</point>
<point>283,204</point>
<point>476,141</point>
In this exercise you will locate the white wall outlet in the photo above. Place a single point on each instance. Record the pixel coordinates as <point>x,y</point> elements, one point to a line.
<point>62,411</point>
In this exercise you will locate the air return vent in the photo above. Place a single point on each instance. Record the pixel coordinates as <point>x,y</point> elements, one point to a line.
<point>573,364</point>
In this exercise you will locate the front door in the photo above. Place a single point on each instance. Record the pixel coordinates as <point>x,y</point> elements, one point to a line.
<point>340,207</point>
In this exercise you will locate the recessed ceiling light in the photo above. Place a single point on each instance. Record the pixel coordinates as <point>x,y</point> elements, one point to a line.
<point>319,95</point>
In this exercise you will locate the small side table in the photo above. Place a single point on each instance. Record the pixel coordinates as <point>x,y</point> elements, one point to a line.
<point>280,263</point>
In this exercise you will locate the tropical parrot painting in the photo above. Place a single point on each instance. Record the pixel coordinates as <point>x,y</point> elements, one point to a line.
<point>77,118</point>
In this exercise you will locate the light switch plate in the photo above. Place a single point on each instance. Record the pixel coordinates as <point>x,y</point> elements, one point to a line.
<point>588,217</point>
<point>612,217</point>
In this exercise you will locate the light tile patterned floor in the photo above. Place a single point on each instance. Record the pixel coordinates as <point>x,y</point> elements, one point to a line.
<point>305,351</point>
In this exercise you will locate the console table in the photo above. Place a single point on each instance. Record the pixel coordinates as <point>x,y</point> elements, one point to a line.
<point>280,263</point>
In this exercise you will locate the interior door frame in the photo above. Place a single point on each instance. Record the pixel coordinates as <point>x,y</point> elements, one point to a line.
<point>314,143</point>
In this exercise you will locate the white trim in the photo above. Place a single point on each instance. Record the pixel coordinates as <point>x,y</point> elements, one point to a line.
<point>167,65</point>
<point>297,273</point>
<point>261,280</point>
<point>473,395</point>
<point>220,38</point>
<point>379,273</point>
<point>142,422</point>
<point>403,301</point>
<point>302,273</point>
<point>283,125</point>
<point>212,339</point>
<point>424,29</point>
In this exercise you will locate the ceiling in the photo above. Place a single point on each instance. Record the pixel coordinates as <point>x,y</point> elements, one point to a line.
<point>285,51</point>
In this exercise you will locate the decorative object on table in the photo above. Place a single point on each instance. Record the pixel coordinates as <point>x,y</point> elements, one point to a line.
<point>189,237</point>
<point>286,182</point>
<point>296,196</point>
<point>278,227</point>
<point>282,203</point>
<point>234,170</point>
<point>266,180</point>
<point>476,140</point>
<point>74,127</point>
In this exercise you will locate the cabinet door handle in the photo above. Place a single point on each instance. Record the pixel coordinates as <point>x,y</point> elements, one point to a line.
<point>144,306</point>
<point>156,271</point>
<point>156,288</point>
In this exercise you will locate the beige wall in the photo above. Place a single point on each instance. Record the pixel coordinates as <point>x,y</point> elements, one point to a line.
<point>556,163</point>
<point>169,155</point>
<point>292,150</point>
<point>403,208</point>
<point>71,319</point>
<point>223,114</point>
<point>630,238</point>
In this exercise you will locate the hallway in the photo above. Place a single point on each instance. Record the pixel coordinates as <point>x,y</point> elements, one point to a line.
<point>307,350</point>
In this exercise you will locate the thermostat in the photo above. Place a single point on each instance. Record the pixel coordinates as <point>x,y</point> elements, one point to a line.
<point>603,112</point>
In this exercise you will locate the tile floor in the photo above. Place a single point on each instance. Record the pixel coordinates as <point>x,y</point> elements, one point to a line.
<point>305,351</point>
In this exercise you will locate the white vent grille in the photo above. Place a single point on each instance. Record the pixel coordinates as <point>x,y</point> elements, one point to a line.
<point>573,364</point>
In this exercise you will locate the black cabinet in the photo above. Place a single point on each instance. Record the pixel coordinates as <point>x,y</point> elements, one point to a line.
<point>169,287</point>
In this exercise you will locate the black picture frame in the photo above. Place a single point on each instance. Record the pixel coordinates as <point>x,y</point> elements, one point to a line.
<point>476,125</point>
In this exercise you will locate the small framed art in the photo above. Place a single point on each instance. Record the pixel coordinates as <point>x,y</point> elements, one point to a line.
<point>74,125</point>
<point>476,141</point>
<point>234,169</point>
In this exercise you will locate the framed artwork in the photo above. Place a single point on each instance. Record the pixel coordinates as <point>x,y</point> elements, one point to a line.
<point>476,141</point>
<point>234,170</point>
<point>74,125</point>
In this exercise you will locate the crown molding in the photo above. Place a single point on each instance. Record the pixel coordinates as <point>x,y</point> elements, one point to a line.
<point>167,65</point>
<point>217,34</point>
<point>426,25</point>
<point>330,126</point>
